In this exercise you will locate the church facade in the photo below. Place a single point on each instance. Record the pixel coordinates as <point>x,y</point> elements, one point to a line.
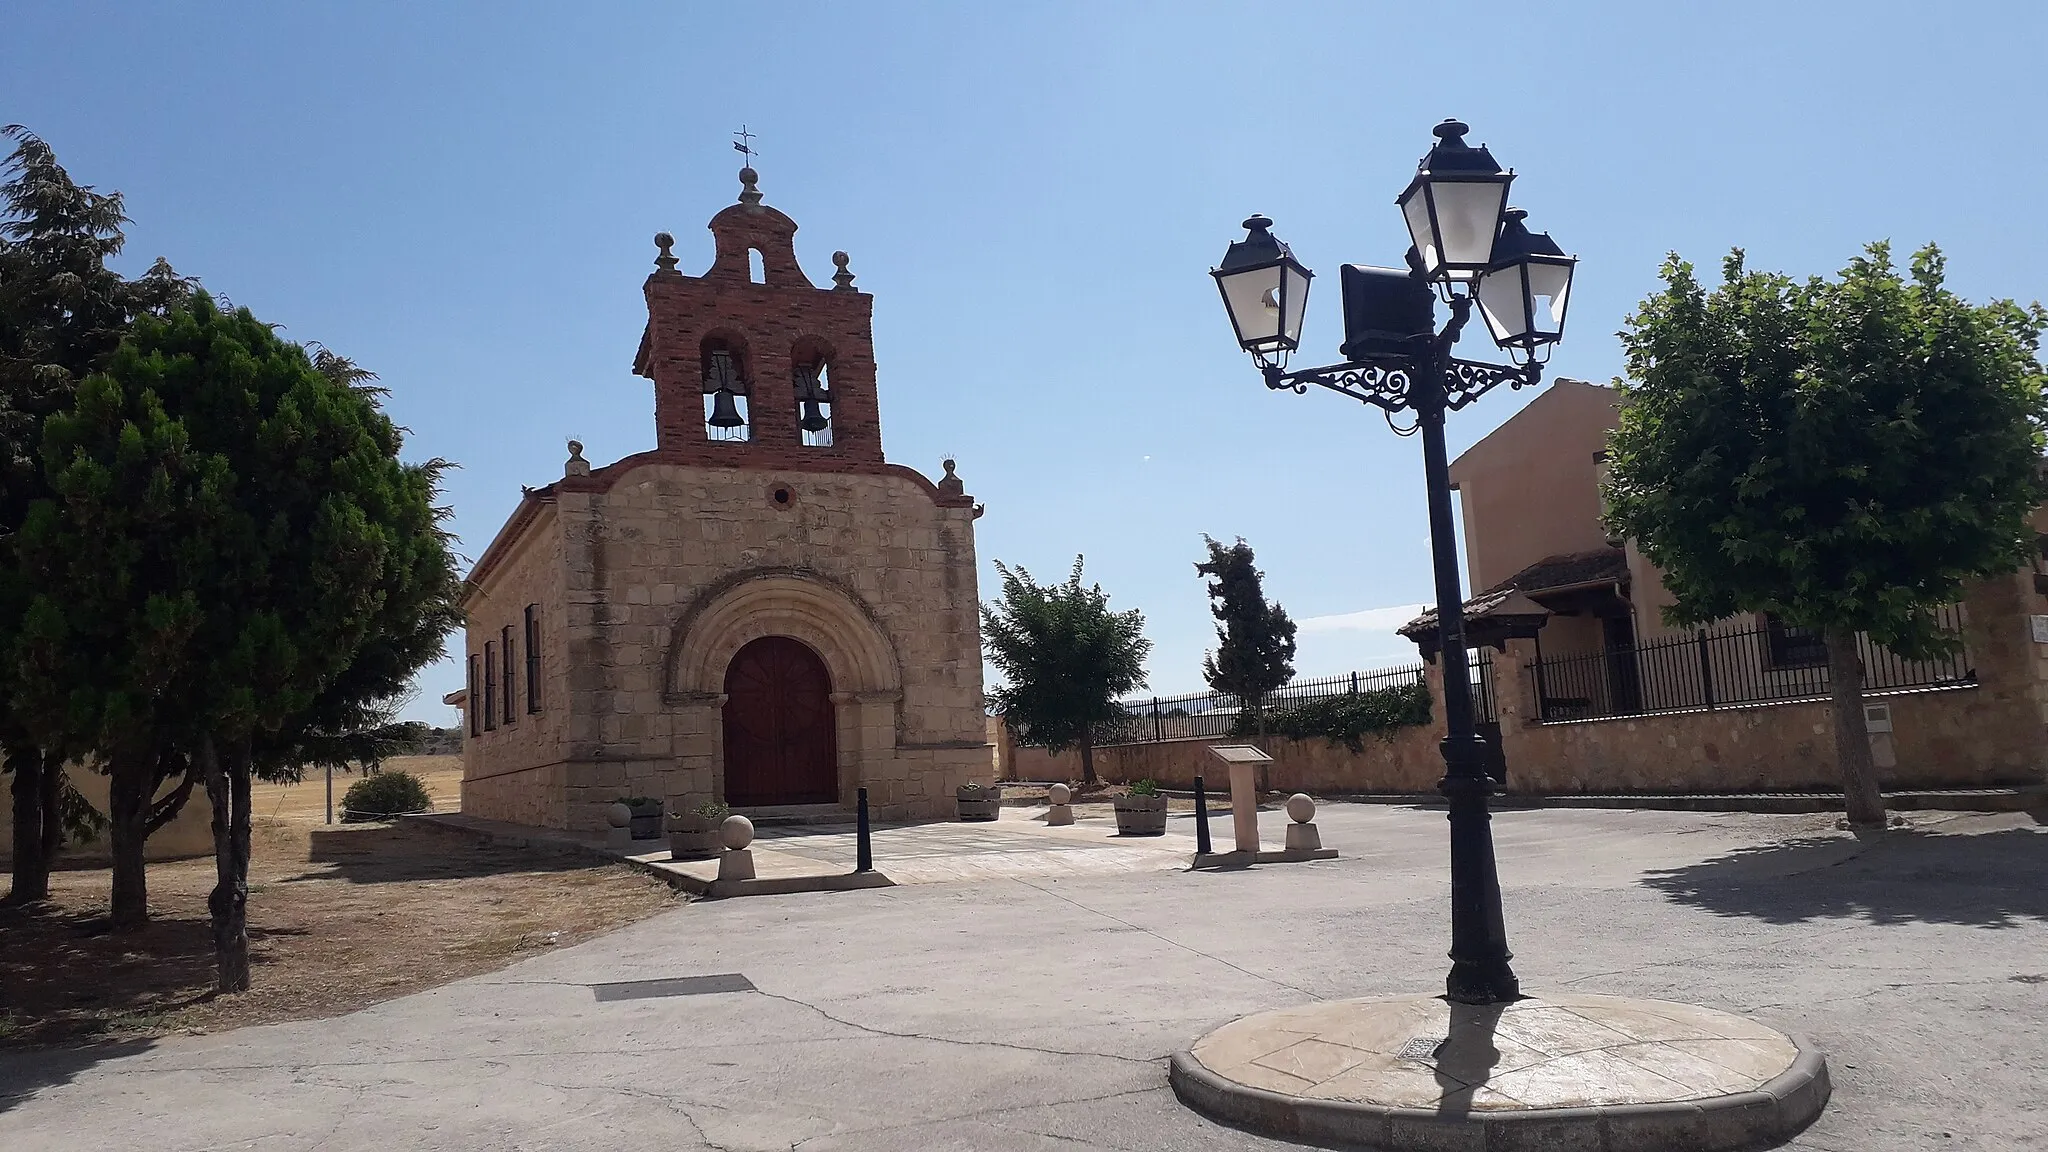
<point>762,610</point>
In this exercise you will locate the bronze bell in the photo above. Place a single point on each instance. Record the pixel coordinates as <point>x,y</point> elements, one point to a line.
<point>724,413</point>
<point>814,418</point>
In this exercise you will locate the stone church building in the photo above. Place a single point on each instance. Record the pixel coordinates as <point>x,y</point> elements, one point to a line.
<point>762,609</point>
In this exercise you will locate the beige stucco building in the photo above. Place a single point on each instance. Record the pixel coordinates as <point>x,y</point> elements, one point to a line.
<point>761,610</point>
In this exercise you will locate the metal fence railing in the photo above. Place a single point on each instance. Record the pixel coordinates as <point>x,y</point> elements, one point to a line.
<point>1715,669</point>
<point>1204,715</point>
<point>1211,715</point>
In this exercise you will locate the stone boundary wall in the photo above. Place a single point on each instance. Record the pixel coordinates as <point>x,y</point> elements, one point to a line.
<point>1995,733</point>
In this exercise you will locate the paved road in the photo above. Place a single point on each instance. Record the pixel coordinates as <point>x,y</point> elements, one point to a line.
<point>1036,1013</point>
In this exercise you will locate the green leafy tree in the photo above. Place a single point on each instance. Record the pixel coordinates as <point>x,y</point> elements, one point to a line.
<point>1067,658</point>
<point>1254,653</point>
<point>1844,454</point>
<point>236,568</point>
<point>62,311</point>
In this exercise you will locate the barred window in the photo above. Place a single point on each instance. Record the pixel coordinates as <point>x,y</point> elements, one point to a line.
<point>469,703</point>
<point>1793,646</point>
<point>505,642</point>
<point>490,687</point>
<point>532,658</point>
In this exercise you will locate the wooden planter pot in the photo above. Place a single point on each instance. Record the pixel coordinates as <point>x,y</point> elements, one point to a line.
<point>646,822</point>
<point>1140,815</point>
<point>693,837</point>
<point>979,803</point>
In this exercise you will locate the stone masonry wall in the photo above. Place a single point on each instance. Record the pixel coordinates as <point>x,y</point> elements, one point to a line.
<point>515,771</point>
<point>893,603</point>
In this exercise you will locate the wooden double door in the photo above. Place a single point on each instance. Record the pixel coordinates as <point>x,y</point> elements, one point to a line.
<point>780,741</point>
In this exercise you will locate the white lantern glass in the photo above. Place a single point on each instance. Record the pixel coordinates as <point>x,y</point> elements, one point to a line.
<point>1467,219</point>
<point>1252,297</point>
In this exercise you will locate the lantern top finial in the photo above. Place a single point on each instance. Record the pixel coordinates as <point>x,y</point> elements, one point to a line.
<point>1450,129</point>
<point>1257,222</point>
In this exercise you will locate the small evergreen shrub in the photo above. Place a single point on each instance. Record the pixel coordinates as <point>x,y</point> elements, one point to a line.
<point>382,796</point>
<point>1346,719</point>
<point>1147,787</point>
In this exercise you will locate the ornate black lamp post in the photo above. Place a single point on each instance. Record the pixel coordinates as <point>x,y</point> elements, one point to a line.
<point>1474,251</point>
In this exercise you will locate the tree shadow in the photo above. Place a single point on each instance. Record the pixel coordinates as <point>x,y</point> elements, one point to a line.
<point>26,1072</point>
<point>1986,879</point>
<point>390,854</point>
<point>66,977</point>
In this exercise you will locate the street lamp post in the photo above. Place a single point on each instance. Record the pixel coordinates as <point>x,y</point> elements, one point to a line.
<point>1473,250</point>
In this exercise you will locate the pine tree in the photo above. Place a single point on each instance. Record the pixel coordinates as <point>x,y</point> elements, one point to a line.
<point>1254,655</point>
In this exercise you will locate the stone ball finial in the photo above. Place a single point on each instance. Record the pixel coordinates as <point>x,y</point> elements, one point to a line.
<point>1059,794</point>
<point>1300,808</point>
<point>576,465</point>
<point>842,280</point>
<point>749,193</point>
<point>736,833</point>
<point>951,484</point>
<point>667,260</point>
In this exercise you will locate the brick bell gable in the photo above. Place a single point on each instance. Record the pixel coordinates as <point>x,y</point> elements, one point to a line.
<point>774,326</point>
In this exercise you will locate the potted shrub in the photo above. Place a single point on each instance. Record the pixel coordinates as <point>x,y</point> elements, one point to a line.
<point>1143,812</point>
<point>693,835</point>
<point>643,816</point>
<point>979,801</point>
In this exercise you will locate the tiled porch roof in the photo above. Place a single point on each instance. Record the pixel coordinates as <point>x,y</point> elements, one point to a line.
<point>1510,596</point>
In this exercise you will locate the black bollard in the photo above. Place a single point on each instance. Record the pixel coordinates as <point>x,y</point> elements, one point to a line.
<point>1201,819</point>
<point>864,853</point>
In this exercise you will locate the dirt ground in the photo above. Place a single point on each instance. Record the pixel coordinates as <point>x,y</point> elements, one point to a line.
<point>339,917</point>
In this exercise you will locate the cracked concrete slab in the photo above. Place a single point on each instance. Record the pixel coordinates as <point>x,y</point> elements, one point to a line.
<point>1037,1012</point>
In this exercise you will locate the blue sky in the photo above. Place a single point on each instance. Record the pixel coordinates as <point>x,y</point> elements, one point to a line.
<point>461,196</point>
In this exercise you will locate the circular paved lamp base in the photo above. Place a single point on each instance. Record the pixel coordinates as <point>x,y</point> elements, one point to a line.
<point>1555,1072</point>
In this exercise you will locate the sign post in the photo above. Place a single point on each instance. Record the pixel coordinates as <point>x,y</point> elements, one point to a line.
<point>1244,761</point>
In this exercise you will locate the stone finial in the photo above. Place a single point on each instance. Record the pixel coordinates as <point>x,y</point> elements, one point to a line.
<point>842,280</point>
<point>749,192</point>
<point>951,485</point>
<point>1301,808</point>
<point>666,262</point>
<point>576,465</point>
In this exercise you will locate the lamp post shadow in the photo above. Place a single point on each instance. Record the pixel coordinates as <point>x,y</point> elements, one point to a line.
<point>1466,1059</point>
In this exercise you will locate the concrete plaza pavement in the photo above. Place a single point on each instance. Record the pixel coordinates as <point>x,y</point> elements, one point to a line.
<point>1038,1012</point>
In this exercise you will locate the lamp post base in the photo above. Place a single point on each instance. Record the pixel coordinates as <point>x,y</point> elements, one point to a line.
<point>1570,1071</point>
<point>1482,982</point>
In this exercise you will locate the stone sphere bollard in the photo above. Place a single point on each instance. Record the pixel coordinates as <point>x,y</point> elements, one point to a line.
<point>1061,813</point>
<point>619,815</point>
<point>736,833</point>
<point>1302,835</point>
<point>736,863</point>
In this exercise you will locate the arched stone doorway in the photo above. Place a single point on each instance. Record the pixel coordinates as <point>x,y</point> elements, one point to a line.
<point>780,745</point>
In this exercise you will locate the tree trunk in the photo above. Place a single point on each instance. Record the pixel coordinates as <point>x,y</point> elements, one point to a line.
<point>31,875</point>
<point>227,789</point>
<point>1860,794</point>
<point>128,787</point>
<point>1087,759</point>
<point>1265,770</point>
<point>53,784</point>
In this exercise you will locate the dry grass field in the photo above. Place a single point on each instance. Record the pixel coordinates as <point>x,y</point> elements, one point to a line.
<point>339,917</point>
